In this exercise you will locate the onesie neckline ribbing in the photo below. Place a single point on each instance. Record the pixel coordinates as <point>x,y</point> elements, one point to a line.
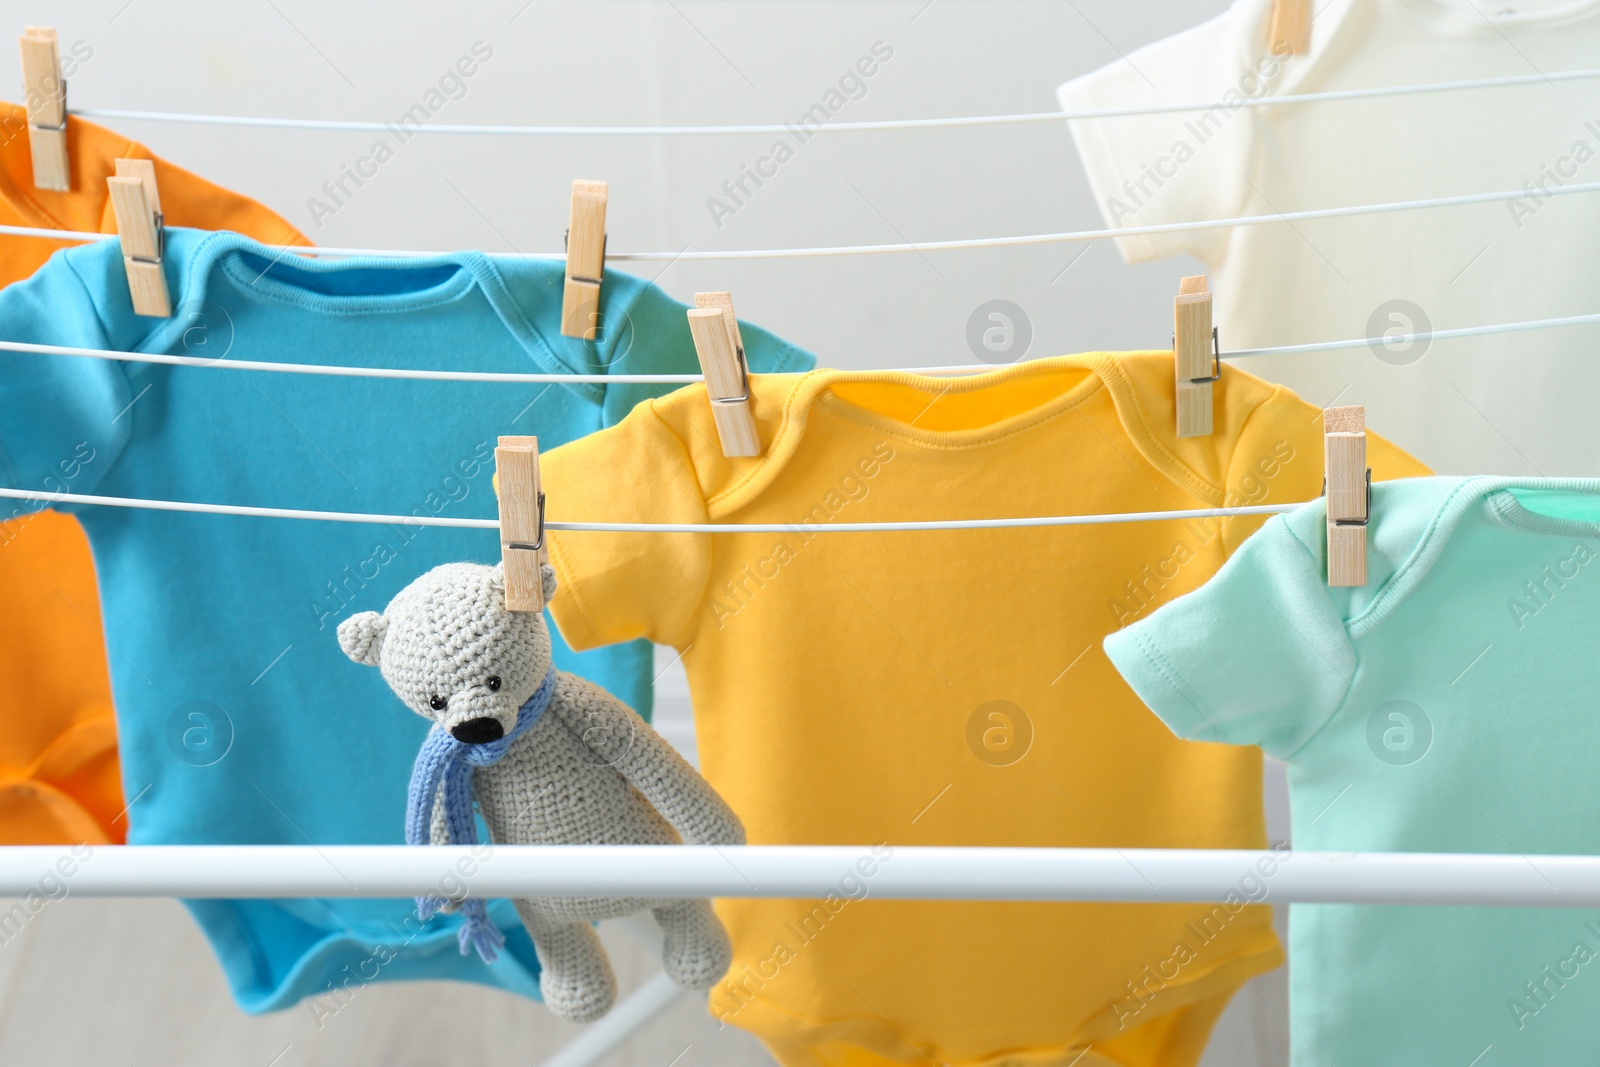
<point>442,279</point>
<point>1489,496</point>
<point>1103,372</point>
<point>469,270</point>
<point>1090,381</point>
<point>1509,511</point>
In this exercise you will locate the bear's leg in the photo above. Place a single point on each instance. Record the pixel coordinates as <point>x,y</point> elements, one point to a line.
<point>575,977</point>
<point>697,952</point>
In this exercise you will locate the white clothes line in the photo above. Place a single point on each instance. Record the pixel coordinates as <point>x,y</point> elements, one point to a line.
<point>1288,99</point>
<point>1020,240</point>
<point>339,371</point>
<point>1028,522</point>
<point>1408,338</point>
<point>803,872</point>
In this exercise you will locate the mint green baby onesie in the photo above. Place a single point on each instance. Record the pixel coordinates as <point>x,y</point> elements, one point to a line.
<point>1450,705</point>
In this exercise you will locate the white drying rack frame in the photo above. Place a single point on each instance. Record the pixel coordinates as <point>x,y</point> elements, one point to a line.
<point>1221,876</point>
<point>1120,875</point>
<point>1227,878</point>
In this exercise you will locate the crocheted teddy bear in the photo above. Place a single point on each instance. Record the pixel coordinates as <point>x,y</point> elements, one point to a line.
<point>551,759</point>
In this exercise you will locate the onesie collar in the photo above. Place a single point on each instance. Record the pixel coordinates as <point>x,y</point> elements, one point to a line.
<point>457,274</point>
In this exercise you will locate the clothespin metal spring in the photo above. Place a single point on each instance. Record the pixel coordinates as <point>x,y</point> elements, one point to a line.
<point>566,237</point>
<point>538,543</point>
<point>1364,519</point>
<point>1216,359</point>
<point>744,381</point>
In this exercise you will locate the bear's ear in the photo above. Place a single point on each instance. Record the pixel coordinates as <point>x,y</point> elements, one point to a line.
<point>547,577</point>
<point>361,636</point>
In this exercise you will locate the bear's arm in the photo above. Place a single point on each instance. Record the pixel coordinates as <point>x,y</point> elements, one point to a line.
<point>626,743</point>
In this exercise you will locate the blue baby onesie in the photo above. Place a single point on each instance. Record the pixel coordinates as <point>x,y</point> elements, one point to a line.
<point>239,719</point>
<point>1447,706</point>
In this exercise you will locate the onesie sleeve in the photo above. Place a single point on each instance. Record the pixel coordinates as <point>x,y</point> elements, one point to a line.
<point>1257,656</point>
<point>63,418</point>
<point>620,586</point>
<point>1177,167</point>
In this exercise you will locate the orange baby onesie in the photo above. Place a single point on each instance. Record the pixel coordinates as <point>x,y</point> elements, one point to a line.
<point>889,689</point>
<point>59,780</point>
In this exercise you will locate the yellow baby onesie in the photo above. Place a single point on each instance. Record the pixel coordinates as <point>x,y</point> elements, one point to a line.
<point>947,688</point>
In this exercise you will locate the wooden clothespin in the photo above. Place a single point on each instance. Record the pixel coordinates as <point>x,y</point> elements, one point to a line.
<point>721,351</point>
<point>1349,492</point>
<point>586,260</point>
<point>1196,356</point>
<point>522,547</point>
<point>1289,31</point>
<point>137,204</point>
<point>44,94</point>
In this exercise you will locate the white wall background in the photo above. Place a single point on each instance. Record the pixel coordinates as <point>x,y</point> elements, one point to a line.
<point>131,982</point>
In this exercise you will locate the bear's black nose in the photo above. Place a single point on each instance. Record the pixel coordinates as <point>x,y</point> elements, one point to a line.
<point>478,731</point>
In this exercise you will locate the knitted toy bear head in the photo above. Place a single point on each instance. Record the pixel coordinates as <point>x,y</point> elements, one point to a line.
<point>451,651</point>
<point>547,758</point>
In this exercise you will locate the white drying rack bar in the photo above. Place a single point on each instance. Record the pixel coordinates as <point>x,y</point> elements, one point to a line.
<point>1026,522</point>
<point>807,872</point>
<point>338,371</point>
<point>1288,99</point>
<point>1466,199</point>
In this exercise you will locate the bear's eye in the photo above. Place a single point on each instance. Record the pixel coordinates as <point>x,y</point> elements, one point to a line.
<point>438,703</point>
<point>493,683</point>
